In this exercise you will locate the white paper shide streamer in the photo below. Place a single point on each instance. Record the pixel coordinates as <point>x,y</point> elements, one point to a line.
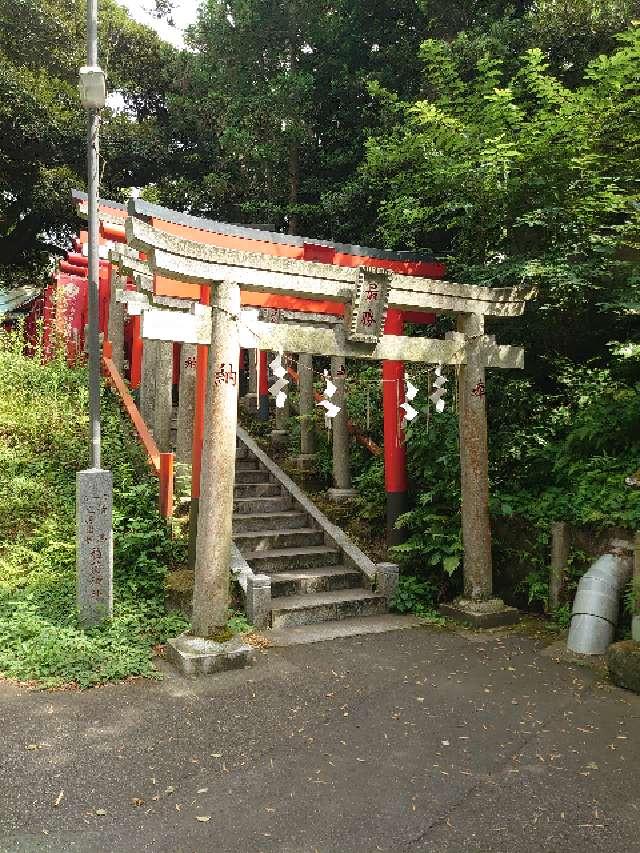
<point>277,389</point>
<point>438,395</point>
<point>331,410</point>
<point>409,413</point>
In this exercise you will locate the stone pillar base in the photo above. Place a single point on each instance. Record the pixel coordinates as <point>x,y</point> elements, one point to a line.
<point>305,462</point>
<point>258,600</point>
<point>249,404</point>
<point>490,613</point>
<point>339,495</point>
<point>279,437</point>
<point>264,409</point>
<point>387,577</point>
<point>199,656</point>
<point>397,505</point>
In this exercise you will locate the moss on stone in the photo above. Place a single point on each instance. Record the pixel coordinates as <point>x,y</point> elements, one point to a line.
<point>180,580</point>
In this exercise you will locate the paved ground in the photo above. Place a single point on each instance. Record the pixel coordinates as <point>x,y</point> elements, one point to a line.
<point>412,740</point>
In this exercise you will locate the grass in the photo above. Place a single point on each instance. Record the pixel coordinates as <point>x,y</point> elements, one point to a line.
<point>43,442</point>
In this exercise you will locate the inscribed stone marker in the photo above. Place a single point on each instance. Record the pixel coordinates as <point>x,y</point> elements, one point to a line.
<point>94,557</point>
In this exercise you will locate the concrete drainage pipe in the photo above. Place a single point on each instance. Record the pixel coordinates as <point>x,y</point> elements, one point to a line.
<point>597,603</point>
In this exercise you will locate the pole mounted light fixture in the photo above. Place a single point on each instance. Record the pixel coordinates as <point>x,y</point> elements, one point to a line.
<point>94,486</point>
<point>93,89</point>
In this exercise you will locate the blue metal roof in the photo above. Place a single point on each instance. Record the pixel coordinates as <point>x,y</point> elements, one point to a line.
<point>17,297</point>
<point>141,208</point>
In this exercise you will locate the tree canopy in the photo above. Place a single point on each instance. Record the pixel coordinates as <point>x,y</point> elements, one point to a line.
<point>43,126</point>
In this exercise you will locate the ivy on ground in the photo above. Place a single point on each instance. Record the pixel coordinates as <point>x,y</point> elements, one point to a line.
<point>43,442</point>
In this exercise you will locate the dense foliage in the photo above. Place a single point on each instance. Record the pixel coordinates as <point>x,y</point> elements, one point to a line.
<point>43,443</point>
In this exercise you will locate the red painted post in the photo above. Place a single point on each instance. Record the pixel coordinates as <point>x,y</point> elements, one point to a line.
<point>177,355</point>
<point>263,389</point>
<point>395,452</point>
<point>104,298</point>
<point>136,353</point>
<point>166,485</point>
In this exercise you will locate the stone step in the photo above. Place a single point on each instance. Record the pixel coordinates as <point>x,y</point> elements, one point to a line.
<point>252,475</point>
<point>267,540</point>
<point>287,519</point>
<point>291,559</point>
<point>325,607</point>
<point>248,463</point>
<point>257,490</point>
<point>309,581</point>
<point>323,631</point>
<point>253,505</point>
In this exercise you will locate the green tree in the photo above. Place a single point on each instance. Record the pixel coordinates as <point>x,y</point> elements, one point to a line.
<point>42,123</point>
<point>274,107</point>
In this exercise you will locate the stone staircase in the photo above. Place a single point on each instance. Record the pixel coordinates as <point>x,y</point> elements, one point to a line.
<point>278,535</point>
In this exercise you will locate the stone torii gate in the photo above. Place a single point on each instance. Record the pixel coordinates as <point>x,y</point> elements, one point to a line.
<point>256,239</point>
<point>229,327</point>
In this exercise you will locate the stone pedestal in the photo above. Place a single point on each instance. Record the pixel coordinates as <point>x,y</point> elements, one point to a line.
<point>487,613</point>
<point>213,546</point>
<point>199,656</point>
<point>340,437</point>
<point>94,546</point>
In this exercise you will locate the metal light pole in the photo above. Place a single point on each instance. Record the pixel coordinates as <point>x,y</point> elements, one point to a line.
<point>93,178</point>
<point>94,544</point>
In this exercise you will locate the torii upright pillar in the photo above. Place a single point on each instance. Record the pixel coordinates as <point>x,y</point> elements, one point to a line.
<point>263,389</point>
<point>213,550</point>
<point>477,607</point>
<point>395,452</point>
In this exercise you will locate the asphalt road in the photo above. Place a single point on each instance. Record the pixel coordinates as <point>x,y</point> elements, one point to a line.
<point>406,741</point>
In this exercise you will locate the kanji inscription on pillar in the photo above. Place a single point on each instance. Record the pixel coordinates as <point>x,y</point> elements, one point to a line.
<point>370,305</point>
<point>94,558</point>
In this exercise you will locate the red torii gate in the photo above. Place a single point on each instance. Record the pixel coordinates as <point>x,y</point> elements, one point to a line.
<point>249,239</point>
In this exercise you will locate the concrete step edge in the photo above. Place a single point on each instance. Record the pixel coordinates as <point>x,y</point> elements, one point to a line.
<point>310,600</point>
